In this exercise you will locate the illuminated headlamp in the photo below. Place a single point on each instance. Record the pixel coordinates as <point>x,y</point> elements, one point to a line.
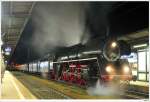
<point>126,69</point>
<point>113,44</point>
<point>108,69</point>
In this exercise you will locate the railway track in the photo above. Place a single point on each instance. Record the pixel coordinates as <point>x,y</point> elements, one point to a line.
<point>43,91</point>
<point>54,93</point>
<point>133,94</point>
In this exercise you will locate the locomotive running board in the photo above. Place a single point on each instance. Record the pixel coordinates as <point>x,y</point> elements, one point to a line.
<point>94,58</point>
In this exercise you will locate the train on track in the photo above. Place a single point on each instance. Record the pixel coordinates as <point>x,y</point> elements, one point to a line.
<point>84,67</point>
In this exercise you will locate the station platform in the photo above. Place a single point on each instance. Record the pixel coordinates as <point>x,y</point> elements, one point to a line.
<point>12,88</point>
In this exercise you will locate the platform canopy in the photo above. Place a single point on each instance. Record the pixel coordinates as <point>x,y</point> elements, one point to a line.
<point>15,16</point>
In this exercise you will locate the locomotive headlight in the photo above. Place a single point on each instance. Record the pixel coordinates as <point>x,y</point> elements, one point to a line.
<point>126,69</point>
<point>113,44</point>
<point>108,69</point>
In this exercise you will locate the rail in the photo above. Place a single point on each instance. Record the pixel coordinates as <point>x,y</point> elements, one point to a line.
<point>57,95</point>
<point>134,94</point>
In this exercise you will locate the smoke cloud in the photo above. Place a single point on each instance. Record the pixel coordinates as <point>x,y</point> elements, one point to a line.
<point>105,90</point>
<point>58,24</point>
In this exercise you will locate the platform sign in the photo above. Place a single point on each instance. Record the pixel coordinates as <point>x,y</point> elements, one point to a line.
<point>8,49</point>
<point>7,53</point>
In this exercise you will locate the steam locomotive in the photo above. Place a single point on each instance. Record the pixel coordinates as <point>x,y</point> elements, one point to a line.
<point>85,67</point>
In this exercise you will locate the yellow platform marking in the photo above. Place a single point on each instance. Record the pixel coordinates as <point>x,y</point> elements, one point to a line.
<point>17,88</point>
<point>12,88</point>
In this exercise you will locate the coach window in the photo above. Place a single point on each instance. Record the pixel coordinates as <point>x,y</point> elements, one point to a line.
<point>51,65</point>
<point>143,65</point>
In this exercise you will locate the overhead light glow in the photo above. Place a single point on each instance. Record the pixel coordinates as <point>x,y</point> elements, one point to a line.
<point>7,53</point>
<point>140,45</point>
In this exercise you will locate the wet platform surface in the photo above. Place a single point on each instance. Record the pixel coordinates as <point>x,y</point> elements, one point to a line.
<point>46,89</point>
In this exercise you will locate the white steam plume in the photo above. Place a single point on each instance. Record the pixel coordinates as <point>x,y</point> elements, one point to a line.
<point>99,89</point>
<point>58,24</point>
